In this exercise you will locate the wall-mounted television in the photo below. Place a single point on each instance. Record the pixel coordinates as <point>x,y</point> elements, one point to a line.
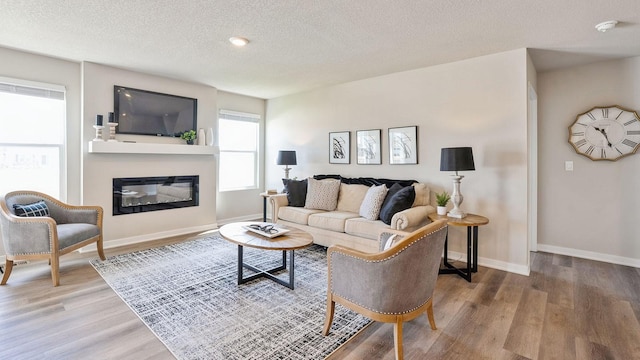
<point>143,112</point>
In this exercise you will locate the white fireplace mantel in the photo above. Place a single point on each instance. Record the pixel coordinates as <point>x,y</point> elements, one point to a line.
<point>118,147</point>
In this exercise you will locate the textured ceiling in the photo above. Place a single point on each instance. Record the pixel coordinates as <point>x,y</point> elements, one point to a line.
<point>301,45</point>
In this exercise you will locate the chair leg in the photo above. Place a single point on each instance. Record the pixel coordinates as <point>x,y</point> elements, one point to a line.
<point>100,249</point>
<point>331,306</point>
<point>55,270</point>
<point>8,266</point>
<point>432,320</point>
<point>397,338</point>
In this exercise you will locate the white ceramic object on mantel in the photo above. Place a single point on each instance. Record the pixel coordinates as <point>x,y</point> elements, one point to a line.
<point>442,210</point>
<point>210,137</point>
<point>201,137</point>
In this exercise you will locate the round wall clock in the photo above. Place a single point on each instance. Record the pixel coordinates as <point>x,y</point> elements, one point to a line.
<point>605,133</point>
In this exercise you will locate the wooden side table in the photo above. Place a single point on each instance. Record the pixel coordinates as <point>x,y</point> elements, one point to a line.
<point>265,195</point>
<point>471,221</point>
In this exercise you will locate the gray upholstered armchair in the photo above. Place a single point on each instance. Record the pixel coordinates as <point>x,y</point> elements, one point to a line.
<point>394,285</point>
<point>56,229</point>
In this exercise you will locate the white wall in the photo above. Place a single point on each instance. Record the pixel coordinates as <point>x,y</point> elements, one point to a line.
<point>590,212</point>
<point>480,102</point>
<point>243,204</point>
<point>98,170</point>
<point>26,66</point>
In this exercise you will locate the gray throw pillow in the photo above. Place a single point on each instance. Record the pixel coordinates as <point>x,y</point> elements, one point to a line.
<point>296,191</point>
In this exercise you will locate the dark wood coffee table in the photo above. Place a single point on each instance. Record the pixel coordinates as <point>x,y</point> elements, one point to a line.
<point>292,240</point>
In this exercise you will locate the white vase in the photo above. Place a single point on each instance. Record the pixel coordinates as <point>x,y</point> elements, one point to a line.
<point>210,137</point>
<point>201,137</point>
<point>442,210</point>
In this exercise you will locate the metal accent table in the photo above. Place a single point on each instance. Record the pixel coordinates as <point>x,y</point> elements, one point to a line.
<point>471,222</point>
<point>292,240</point>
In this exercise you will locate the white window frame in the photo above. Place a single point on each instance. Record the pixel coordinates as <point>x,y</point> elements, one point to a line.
<point>247,117</point>
<point>34,88</point>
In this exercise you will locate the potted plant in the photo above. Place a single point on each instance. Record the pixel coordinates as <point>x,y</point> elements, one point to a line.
<point>189,136</point>
<point>442,199</point>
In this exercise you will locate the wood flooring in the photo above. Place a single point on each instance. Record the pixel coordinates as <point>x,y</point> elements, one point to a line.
<point>568,308</point>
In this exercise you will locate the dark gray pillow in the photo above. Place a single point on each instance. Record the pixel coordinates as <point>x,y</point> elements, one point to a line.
<point>296,191</point>
<point>392,190</point>
<point>29,210</point>
<point>401,200</point>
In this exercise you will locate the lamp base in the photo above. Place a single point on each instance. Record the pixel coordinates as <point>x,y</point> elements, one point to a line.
<point>458,215</point>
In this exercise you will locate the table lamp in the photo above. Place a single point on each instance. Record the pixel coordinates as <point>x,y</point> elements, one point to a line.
<point>286,158</point>
<point>456,159</point>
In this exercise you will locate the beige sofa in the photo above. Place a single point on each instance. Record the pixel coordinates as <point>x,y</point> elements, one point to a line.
<point>344,225</point>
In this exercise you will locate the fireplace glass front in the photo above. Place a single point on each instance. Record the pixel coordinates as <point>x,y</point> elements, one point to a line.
<point>142,194</point>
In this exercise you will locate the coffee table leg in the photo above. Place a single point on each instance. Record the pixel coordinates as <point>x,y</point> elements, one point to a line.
<point>240,267</point>
<point>267,273</point>
<point>291,267</point>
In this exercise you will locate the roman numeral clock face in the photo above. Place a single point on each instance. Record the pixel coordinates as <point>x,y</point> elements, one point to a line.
<point>605,133</point>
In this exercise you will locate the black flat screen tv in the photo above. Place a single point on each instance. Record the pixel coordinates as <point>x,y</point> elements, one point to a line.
<point>143,112</point>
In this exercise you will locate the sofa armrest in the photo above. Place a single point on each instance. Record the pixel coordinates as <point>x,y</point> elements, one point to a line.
<point>412,217</point>
<point>277,201</point>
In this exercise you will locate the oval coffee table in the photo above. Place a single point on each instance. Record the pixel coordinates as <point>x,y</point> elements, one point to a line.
<point>292,240</point>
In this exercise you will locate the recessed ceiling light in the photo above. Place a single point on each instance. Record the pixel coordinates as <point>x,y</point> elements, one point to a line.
<point>607,25</point>
<point>238,41</point>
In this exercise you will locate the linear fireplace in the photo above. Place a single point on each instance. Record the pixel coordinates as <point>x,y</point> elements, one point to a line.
<point>142,194</point>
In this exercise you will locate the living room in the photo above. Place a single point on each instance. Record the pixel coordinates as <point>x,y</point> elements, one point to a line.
<point>486,101</point>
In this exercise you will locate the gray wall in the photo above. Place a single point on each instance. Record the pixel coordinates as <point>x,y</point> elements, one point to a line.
<point>480,102</point>
<point>590,212</point>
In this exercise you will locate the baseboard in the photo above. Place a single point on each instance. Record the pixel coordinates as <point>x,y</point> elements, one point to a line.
<point>254,217</point>
<point>149,237</point>
<point>590,255</point>
<point>491,263</point>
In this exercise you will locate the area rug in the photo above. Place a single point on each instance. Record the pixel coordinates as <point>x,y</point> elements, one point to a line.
<point>187,294</point>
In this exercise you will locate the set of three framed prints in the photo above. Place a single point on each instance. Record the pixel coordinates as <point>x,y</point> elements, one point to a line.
<point>403,146</point>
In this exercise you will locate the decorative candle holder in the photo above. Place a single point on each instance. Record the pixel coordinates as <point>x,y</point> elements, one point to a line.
<point>98,132</point>
<point>112,131</point>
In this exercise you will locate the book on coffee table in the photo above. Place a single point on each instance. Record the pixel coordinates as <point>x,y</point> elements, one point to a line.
<point>266,229</point>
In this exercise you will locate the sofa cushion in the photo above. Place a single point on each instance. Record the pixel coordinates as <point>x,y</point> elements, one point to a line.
<point>296,215</point>
<point>322,194</point>
<point>422,195</point>
<point>296,191</point>
<point>370,208</point>
<point>351,197</point>
<point>369,229</point>
<point>29,210</point>
<point>401,200</point>
<point>333,220</point>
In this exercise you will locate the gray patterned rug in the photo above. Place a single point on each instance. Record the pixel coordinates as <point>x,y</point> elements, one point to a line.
<point>188,296</point>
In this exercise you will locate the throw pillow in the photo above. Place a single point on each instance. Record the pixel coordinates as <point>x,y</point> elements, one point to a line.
<point>392,190</point>
<point>390,242</point>
<point>422,194</point>
<point>30,210</point>
<point>370,208</point>
<point>401,200</point>
<point>351,197</point>
<point>322,194</point>
<point>296,191</point>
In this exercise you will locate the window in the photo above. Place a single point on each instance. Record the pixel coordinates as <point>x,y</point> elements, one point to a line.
<point>32,137</point>
<point>238,139</point>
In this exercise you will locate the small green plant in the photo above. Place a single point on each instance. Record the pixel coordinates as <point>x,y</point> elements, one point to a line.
<point>442,198</point>
<point>188,135</point>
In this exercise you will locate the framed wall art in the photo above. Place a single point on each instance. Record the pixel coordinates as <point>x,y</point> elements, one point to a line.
<point>340,147</point>
<point>403,145</point>
<point>368,145</point>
